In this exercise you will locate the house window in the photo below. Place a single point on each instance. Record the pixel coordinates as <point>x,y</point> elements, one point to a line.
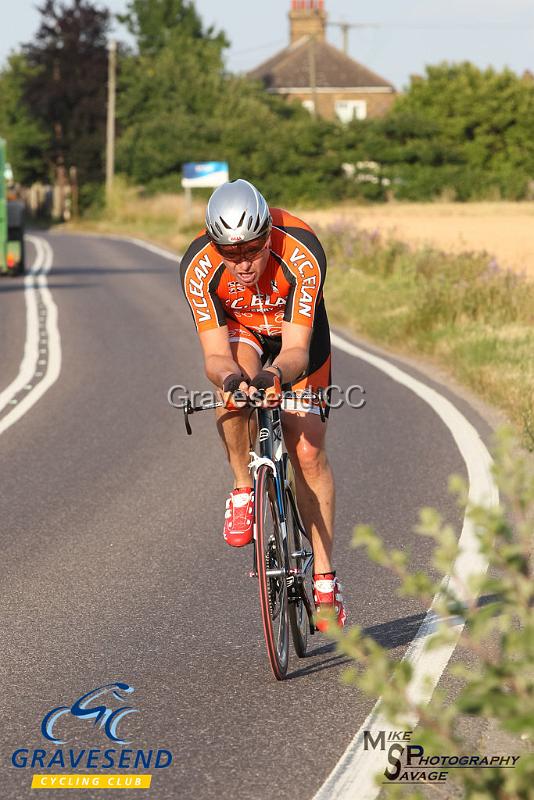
<point>309,105</point>
<point>347,110</point>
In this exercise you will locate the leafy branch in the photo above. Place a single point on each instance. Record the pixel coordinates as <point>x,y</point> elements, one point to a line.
<point>495,610</point>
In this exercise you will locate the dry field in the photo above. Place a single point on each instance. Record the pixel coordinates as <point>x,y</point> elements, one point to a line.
<point>504,230</point>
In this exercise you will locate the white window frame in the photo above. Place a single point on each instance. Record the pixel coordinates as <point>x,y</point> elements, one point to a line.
<point>309,105</point>
<point>347,110</point>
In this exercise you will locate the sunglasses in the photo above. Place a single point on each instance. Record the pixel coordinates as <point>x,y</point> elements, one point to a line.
<point>242,252</point>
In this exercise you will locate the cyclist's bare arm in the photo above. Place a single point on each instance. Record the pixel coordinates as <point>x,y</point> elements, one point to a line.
<point>218,359</point>
<point>294,355</point>
<point>292,359</point>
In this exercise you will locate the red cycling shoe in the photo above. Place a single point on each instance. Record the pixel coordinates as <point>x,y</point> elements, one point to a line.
<point>327,595</point>
<point>239,517</point>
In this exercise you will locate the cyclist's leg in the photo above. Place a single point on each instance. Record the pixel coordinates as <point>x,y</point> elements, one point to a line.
<point>233,426</point>
<point>304,435</point>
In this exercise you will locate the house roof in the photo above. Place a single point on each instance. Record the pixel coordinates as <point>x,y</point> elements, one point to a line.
<point>290,68</point>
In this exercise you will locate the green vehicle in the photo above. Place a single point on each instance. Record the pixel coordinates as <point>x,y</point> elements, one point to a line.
<point>12,255</point>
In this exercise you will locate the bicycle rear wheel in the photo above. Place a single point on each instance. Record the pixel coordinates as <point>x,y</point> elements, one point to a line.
<point>272,568</point>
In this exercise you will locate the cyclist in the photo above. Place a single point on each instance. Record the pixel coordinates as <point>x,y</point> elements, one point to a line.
<point>254,282</point>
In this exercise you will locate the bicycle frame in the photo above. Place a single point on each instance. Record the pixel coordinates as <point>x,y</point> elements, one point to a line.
<point>271,453</point>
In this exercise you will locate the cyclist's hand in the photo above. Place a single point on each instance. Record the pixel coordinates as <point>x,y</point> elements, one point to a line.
<point>266,389</point>
<point>235,383</point>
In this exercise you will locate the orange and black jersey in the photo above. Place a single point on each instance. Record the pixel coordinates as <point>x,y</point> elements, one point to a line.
<point>290,289</point>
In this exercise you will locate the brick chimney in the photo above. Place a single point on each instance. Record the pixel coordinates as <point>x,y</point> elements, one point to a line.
<point>307,18</point>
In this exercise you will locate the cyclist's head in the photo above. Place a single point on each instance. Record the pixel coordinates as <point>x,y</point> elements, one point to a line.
<point>237,213</point>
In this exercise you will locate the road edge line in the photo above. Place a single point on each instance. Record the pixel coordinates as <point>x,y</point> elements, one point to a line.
<point>118,237</point>
<point>356,769</point>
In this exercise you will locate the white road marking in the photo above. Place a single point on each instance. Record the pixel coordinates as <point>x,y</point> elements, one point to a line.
<point>27,367</point>
<point>354,774</point>
<point>35,291</point>
<point>152,248</point>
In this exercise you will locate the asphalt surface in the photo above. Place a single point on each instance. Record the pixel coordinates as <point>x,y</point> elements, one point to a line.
<point>113,564</point>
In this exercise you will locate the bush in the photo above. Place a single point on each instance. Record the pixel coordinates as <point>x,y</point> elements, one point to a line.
<point>459,130</point>
<point>498,633</point>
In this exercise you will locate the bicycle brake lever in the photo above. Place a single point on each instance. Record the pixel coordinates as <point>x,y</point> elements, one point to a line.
<point>188,410</point>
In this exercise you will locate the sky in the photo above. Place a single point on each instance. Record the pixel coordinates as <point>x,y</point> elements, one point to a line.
<point>411,33</point>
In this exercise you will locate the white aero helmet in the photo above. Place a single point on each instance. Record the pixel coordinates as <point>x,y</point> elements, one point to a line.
<point>237,213</point>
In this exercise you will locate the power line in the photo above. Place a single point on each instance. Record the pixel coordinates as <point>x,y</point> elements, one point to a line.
<point>258,47</point>
<point>473,26</point>
<point>345,27</point>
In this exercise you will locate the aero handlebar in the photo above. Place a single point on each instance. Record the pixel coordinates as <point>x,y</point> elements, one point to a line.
<point>188,408</point>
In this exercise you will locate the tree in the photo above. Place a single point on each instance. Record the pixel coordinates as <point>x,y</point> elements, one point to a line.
<point>26,138</point>
<point>458,128</point>
<point>177,104</point>
<point>482,122</point>
<point>66,88</point>
<point>154,23</point>
<point>168,90</point>
<point>165,107</point>
<point>289,154</point>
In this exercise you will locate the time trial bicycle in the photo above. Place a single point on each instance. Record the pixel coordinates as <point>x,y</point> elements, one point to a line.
<point>282,552</point>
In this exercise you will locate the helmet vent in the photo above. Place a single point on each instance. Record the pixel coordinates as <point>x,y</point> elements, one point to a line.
<point>233,201</point>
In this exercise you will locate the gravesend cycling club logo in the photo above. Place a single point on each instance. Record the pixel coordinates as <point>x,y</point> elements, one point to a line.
<point>106,709</point>
<point>107,718</point>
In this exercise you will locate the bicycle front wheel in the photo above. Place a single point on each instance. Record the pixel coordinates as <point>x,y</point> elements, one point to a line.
<point>272,568</point>
<point>299,549</point>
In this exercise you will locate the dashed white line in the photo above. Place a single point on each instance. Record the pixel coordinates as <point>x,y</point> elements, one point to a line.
<point>35,288</point>
<point>31,346</point>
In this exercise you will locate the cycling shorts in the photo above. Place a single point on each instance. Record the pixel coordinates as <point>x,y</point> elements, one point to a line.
<point>317,376</point>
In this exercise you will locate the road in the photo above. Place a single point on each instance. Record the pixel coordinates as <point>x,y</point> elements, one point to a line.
<point>113,562</point>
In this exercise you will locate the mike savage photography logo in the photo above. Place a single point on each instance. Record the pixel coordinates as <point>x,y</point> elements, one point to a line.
<point>105,709</point>
<point>408,763</point>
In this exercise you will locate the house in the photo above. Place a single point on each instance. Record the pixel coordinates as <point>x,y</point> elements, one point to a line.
<point>324,79</point>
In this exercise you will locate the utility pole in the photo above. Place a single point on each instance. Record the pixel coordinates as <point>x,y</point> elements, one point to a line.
<point>313,73</point>
<point>110,134</point>
<point>74,193</point>
<point>345,28</point>
<point>345,31</point>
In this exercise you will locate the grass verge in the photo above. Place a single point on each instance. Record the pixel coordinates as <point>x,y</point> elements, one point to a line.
<point>163,218</point>
<point>462,311</point>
